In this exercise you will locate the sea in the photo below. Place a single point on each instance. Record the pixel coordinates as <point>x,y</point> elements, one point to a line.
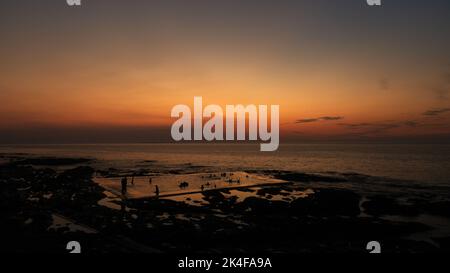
<point>427,164</point>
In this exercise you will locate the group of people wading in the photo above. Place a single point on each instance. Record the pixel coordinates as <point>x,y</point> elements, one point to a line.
<point>124,185</point>
<point>182,185</point>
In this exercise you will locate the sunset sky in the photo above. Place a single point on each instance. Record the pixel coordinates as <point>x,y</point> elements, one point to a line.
<point>110,71</point>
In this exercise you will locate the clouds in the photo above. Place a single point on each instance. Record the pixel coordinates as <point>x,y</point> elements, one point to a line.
<point>436,112</point>
<point>411,123</point>
<point>307,120</point>
<point>379,127</point>
<point>371,128</point>
<point>325,118</point>
<point>330,118</point>
<point>376,128</point>
<point>383,126</point>
<point>426,124</point>
<point>365,127</point>
<point>356,125</point>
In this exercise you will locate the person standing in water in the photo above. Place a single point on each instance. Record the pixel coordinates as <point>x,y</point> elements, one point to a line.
<point>123,183</point>
<point>156,190</point>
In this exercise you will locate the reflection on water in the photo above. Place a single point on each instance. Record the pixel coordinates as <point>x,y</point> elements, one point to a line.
<point>429,163</point>
<point>169,185</point>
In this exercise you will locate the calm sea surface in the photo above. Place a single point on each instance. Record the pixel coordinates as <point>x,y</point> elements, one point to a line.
<point>424,163</point>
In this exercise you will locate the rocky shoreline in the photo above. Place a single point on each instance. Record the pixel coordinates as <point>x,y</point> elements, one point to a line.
<point>308,214</point>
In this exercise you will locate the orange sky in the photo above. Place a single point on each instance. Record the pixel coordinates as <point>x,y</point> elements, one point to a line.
<point>102,67</point>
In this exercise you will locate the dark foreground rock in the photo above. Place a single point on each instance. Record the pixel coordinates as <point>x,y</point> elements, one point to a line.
<point>324,220</point>
<point>328,202</point>
<point>304,177</point>
<point>382,205</point>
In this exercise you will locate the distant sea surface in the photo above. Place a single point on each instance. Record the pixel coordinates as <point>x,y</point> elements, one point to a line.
<point>424,163</point>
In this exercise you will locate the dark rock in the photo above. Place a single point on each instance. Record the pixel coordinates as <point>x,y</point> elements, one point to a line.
<point>444,243</point>
<point>80,172</point>
<point>328,202</point>
<point>304,177</point>
<point>268,190</point>
<point>441,208</point>
<point>381,205</point>
<point>10,199</point>
<point>261,206</point>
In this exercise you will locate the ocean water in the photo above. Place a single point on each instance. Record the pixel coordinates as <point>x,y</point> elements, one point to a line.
<point>423,163</point>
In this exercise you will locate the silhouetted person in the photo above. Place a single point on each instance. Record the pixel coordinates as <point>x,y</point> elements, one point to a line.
<point>123,183</point>
<point>132,180</point>
<point>156,190</point>
<point>150,180</point>
<point>202,187</point>
<point>183,185</point>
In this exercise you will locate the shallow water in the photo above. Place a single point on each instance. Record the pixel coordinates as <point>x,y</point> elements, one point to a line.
<point>144,186</point>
